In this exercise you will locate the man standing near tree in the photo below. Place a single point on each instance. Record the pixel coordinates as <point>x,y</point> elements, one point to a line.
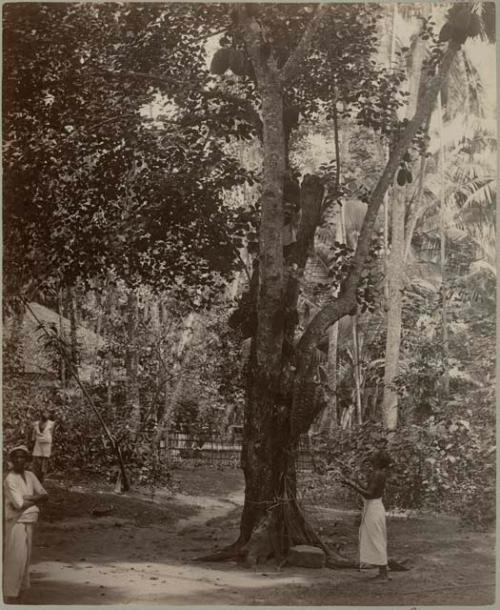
<point>372,531</point>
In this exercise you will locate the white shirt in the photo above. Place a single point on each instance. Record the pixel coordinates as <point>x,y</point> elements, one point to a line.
<point>45,435</point>
<point>15,489</point>
<point>43,439</point>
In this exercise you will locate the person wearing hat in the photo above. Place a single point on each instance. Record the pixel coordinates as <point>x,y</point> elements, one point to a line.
<point>372,531</point>
<point>23,493</point>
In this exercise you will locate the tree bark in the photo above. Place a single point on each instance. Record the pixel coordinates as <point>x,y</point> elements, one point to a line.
<point>265,462</point>
<point>272,421</point>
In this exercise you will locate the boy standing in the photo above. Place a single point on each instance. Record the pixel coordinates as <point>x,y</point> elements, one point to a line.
<point>372,531</point>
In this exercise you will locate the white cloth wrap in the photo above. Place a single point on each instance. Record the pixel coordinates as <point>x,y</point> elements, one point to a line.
<point>373,534</point>
<point>18,532</point>
<point>17,556</point>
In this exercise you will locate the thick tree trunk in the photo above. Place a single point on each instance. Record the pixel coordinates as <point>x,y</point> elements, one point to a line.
<point>274,416</point>
<point>266,463</point>
<point>132,364</point>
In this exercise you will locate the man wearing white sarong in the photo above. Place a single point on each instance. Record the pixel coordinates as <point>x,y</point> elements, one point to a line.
<point>22,492</point>
<point>372,531</point>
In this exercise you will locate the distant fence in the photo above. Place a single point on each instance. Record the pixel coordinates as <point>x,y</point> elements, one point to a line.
<point>222,451</point>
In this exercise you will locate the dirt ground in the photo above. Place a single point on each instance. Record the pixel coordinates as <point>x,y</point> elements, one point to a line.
<point>143,550</point>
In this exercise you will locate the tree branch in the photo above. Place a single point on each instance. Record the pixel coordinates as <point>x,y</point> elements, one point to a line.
<point>156,78</point>
<point>168,81</point>
<point>346,301</point>
<point>296,59</point>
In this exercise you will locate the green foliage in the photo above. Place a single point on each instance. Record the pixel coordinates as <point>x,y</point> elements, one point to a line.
<point>78,440</point>
<point>92,183</point>
<point>445,464</point>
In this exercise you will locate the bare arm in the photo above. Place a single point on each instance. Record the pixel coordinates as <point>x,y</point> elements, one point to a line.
<point>374,489</point>
<point>37,498</point>
<point>16,499</point>
<point>40,494</point>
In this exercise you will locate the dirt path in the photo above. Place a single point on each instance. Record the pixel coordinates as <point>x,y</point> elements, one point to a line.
<point>144,553</point>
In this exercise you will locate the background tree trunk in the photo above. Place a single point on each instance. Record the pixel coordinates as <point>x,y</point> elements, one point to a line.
<point>442,250</point>
<point>395,268</point>
<point>132,363</point>
<point>73,337</point>
<point>62,336</point>
<point>182,356</point>
<point>356,369</point>
<point>329,417</point>
<point>13,355</point>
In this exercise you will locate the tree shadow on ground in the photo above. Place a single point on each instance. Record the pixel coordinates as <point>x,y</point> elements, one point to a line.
<point>140,555</point>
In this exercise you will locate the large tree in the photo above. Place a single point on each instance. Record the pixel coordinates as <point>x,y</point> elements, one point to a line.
<point>284,392</point>
<point>308,59</point>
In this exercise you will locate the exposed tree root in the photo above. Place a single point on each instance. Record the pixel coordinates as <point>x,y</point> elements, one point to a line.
<point>233,552</point>
<point>282,527</point>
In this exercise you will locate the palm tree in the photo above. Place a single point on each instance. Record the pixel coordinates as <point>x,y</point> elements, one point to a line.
<point>463,90</point>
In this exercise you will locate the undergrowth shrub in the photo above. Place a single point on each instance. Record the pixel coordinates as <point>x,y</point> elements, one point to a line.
<point>79,441</point>
<point>442,464</point>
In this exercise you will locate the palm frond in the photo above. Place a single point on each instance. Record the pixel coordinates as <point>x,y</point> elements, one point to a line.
<point>486,11</point>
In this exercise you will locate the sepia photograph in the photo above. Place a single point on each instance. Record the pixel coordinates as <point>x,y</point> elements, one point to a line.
<point>249,304</point>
